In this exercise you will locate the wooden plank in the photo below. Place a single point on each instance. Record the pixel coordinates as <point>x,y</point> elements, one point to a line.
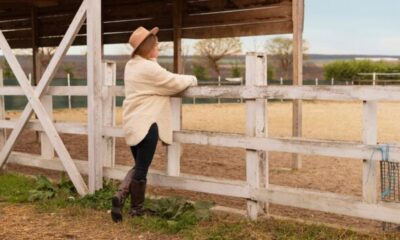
<point>109,105</point>
<point>54,91</point>
<point>330,93</point>
<point>70,128</point>
<point>297,121</point>
<point>174,151</point>
<point>33,97</point>
<point>239,29</point>
<point>329,202</point>
<point>370,132</point>
<point>256,163</point>
<point>117,37</point>
<point>248,15</point>
<point>94,73</point>
<point>342,149</point>
<point>47,149</point>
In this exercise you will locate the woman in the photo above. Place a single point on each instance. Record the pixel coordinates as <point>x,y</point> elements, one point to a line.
<point>146,115</point>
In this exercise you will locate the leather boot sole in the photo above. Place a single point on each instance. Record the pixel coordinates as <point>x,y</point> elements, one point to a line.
<point>116,210</point>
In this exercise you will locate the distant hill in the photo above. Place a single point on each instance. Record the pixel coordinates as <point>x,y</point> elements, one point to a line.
<point>312,65</point>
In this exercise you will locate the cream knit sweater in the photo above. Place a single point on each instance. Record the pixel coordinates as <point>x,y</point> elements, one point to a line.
<point>148,88</point>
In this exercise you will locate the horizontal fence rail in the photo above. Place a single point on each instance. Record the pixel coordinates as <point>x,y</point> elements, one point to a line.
<point>342,149</point>
<point>336,93</point>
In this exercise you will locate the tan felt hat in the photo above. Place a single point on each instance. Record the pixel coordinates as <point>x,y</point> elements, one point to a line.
<point>139,35</point>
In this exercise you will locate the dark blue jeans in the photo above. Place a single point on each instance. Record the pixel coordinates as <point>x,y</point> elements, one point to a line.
<point>143,153</point>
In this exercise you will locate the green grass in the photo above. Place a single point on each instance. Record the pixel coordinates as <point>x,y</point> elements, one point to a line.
<point>174,215</point>
<point>15,188</point>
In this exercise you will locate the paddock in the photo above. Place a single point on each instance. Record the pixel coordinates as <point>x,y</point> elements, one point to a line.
<point>256,141</point>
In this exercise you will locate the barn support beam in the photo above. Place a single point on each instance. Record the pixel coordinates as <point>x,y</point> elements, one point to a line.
<point>298,10</point>
<point>174,151</point>
<point>94,77</point>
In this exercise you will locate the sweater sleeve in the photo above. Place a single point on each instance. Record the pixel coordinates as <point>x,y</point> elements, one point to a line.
<point>168,83</point>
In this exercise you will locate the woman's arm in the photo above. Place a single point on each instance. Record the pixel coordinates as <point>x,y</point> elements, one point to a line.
<point>168,83</point>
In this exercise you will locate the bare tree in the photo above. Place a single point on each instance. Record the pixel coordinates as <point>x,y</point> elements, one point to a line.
<point>283,49</point>
<point>44,56</point>
<point>215,49</point>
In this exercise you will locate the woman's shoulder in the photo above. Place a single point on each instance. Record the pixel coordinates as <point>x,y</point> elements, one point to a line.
<point>142,62</point>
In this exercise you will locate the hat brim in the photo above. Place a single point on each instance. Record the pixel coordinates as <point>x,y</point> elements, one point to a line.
<point>153,31</point>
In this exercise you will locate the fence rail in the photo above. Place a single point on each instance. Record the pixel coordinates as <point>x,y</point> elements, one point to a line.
<point>256,188</point>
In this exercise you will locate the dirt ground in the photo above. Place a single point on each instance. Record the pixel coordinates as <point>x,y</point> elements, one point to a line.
<point>321,120</point>
<point>25,222</point>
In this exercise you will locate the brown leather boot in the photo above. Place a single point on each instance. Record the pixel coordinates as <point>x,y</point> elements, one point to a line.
<point>120,196</point>
<point>138,190</point>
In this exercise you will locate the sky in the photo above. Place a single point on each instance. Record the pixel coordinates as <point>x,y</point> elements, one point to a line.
<point>330,27</point>
<point>339,27</point>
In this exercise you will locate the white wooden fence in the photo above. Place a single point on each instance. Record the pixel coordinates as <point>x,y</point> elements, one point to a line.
<point>256,189</point>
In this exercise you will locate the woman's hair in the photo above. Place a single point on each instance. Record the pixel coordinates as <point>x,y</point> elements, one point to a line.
<point>146,46</point>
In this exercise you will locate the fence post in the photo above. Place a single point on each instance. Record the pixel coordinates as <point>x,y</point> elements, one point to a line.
<point>108,98</point>
<point>47,150</point>
<point>3,136</point>
<point>374,79</point>
<point>69,94</point>
<point>256,161</point>
<point>369,137</point>
<point>332,81</point>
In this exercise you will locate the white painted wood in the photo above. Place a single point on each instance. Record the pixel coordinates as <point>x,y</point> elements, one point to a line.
<point>3,135</point>
<point>44,119</point>
<point>109,79</point>
<point>342,149</point>
<point>47,149</point>
<point>330,202</point>
<point>335,93</point>
<point>71,128</point>
<point>94,76</point>
<point>370,131</point>
<point>295,197</point>
<point>256,163</point>
<point>174,151</point>
<point>33,98</point>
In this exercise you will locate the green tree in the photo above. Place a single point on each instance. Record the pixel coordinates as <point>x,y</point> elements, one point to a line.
<point>199,71</point>
<point>7,72</point>
<point>69,69</point>
<point>349,70</point>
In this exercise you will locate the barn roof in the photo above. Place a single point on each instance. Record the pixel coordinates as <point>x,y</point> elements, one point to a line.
<point>22,20</point>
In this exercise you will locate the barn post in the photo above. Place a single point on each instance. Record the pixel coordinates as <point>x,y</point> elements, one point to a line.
<point>174,151</point>
<point>94,82</point>
<point>47,150</point>
<point>297,15</point>
<point>256,126</point>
